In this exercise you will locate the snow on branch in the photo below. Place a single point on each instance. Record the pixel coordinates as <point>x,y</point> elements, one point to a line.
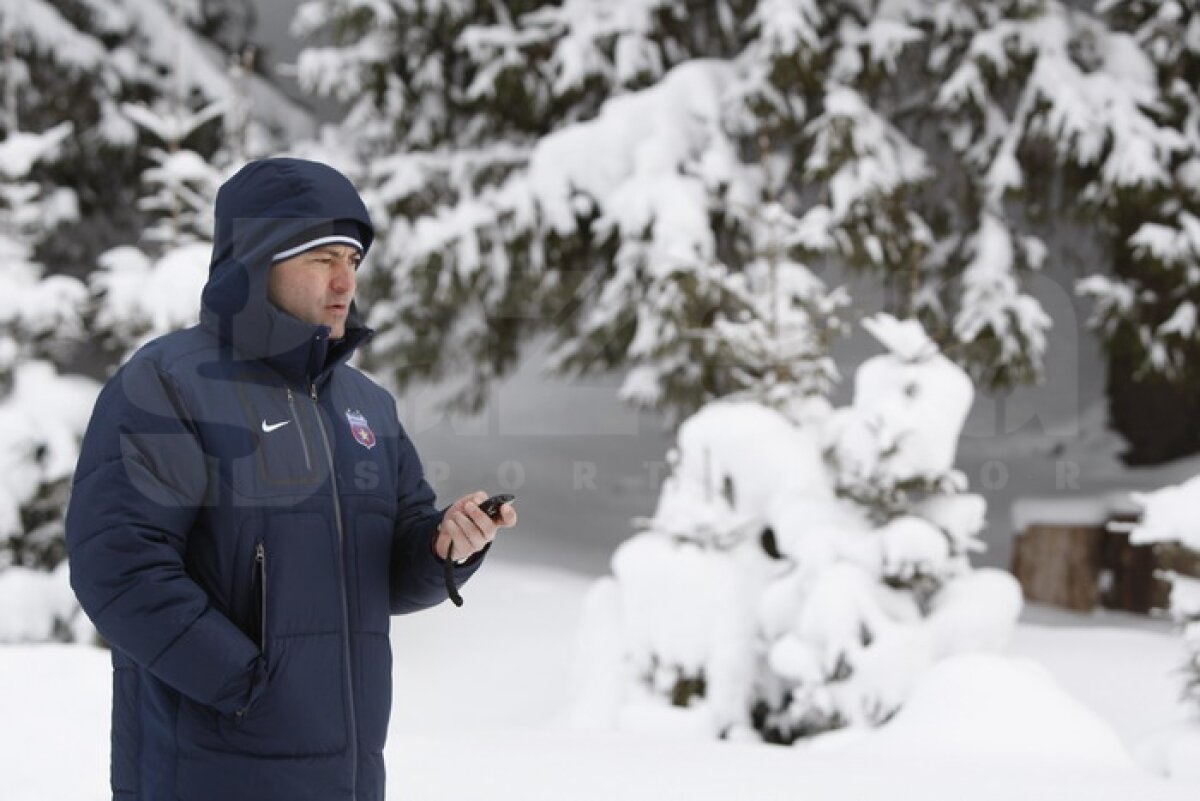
<point>42,28</point>
<point>993,307</point>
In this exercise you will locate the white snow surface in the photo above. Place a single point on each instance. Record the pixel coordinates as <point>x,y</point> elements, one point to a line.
<point>1070,510</point>
<point>487,685</point>
<point>34,602</point>
<point>1029,719</point>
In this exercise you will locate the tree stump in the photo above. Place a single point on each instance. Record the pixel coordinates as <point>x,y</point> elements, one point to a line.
<point>1130,584</point>
<point>1060,565</point>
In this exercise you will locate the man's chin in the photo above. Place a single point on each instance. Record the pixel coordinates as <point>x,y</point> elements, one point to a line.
<point>337,328</point>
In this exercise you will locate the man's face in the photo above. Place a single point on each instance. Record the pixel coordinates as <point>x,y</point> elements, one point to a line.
<point>316,286</point>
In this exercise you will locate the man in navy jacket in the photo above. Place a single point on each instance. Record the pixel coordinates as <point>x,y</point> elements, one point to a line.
<point>247,512</point>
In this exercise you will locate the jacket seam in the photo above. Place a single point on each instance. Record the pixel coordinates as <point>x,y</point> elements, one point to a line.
<point>170,536</point>
<point>134,457</point>
<point>80,478</point>
<point>153,357</point>
<point>299,634</point>
<point>151,663</point>
<point>120,594</point>
<point>185,418</point>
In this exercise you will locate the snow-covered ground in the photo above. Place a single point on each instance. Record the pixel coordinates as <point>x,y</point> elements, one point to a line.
<point>483,692</point>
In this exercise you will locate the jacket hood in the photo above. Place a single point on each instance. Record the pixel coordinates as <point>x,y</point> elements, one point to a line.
<point>266,206</point>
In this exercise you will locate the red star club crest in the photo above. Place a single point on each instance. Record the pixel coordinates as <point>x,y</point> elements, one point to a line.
<point>361,430</point>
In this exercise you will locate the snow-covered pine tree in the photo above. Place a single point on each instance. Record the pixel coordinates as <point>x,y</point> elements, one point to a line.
<point>799,577</point>
<point>1084,118</point>
<point>125,73</point>
<point>144,292</point>
<point>42,413</point>
<point>81,61</point>
<point>1027,114</point>
<point>496,227</point>
<point>898,194</point>
<point>772,328</point>
<point>76,73</point>
<point>516,198</point>
<point>1139,174</point>
<point>189,141</point>
<point>879,575</point>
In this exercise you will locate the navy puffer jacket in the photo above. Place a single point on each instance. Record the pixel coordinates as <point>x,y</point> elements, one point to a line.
<point>242,567</point>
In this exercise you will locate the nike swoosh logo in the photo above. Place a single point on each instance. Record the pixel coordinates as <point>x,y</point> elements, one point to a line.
<point>268,428</point>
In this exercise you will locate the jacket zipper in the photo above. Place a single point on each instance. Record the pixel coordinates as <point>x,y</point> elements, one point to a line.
<point>300,428</point>
<point>337,517</point>
<point>260,581</point>
<point>260,567</point>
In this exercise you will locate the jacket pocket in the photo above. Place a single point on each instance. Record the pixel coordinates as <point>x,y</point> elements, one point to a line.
<point>302,708</point>
<point>292,610</point>
<point>301,711</point>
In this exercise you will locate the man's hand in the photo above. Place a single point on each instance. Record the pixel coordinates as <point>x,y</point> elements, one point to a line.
<point>468,528</point>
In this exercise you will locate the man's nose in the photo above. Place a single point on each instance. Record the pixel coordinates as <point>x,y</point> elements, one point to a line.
<point>343,278</point>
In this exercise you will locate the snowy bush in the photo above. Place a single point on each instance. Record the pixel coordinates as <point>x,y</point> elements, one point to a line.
<point>1172,514</point>
<point>798,577</point>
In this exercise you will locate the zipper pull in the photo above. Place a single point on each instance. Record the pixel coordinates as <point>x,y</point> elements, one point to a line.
<point>260,553</point>
<point>312,391</point>
<point>289,391</point>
